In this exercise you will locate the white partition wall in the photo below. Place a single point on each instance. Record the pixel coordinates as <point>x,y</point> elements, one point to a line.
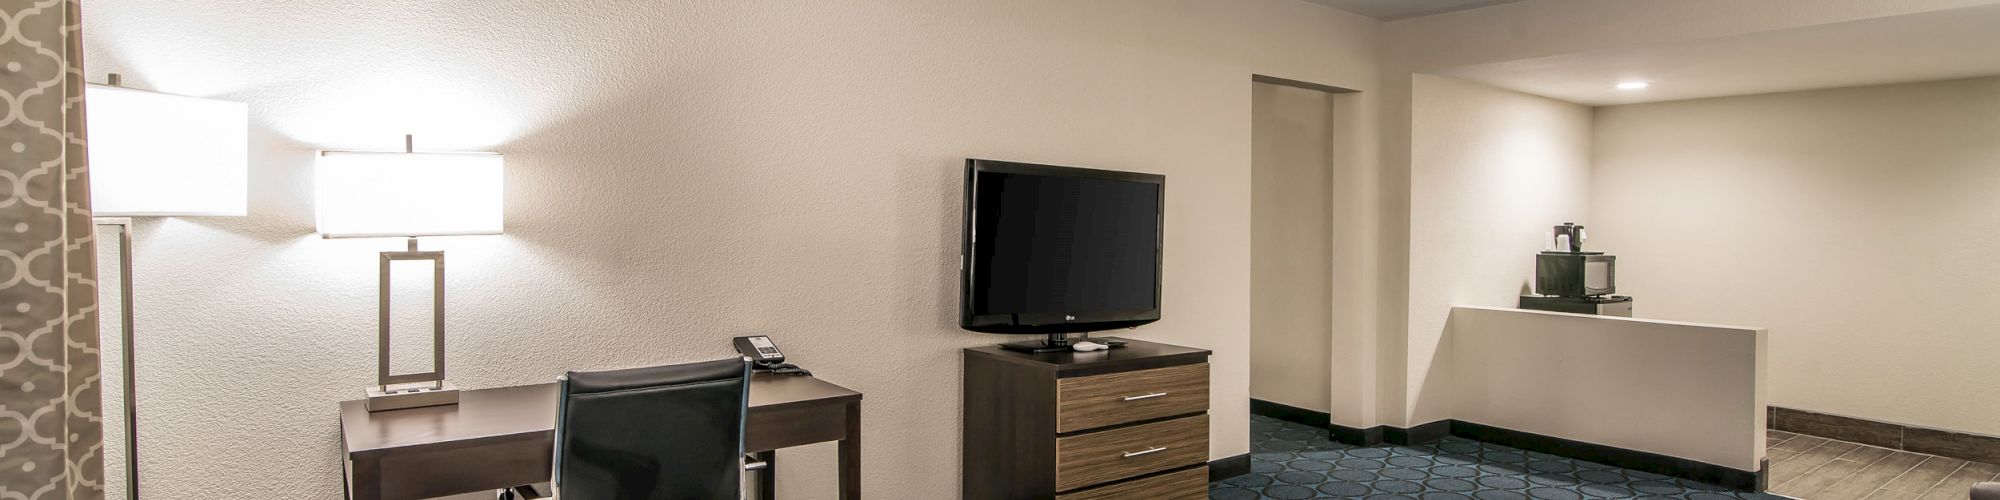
<point>1683,390</point>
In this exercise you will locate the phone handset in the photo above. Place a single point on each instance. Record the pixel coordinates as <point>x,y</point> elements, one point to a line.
<point>759,349</point>
<point>765,356</point>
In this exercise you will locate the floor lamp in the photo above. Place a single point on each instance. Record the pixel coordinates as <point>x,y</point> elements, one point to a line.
<point>158,155</point>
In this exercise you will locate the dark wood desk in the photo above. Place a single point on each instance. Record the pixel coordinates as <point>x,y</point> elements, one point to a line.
<point>502,437</point>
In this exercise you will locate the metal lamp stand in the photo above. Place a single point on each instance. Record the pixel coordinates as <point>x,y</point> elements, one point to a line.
<point>125,321</point>
<point>412,390</point>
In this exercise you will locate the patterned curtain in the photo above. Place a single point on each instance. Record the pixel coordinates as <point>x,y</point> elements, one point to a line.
<point>51,436</point>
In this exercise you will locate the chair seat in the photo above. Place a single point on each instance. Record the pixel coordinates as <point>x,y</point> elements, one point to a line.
<point>543,491</point>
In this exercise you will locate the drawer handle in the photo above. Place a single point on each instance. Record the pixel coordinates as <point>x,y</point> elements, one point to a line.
<point>1155,449</point>
<point>1148,396</point>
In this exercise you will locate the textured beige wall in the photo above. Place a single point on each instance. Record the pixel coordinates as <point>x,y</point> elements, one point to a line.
<point>1537,28</point>
<point>1358,227</point>
<point>1291,292</point>
<point>111,342</point>
<point>1521,30</point>
<point>678,173</point>
<point>1678,389</point>
<point>1858,224</point>
<point>1491,170</point>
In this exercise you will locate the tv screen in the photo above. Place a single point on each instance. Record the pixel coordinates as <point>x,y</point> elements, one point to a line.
<point>1060,250</point>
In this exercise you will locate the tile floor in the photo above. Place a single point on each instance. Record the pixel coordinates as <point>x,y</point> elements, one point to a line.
<point>1290,460</point>
<point>1815,468</point>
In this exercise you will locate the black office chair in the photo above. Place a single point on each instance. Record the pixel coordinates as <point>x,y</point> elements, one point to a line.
<point>1986,491</point>
<point>659,433</point>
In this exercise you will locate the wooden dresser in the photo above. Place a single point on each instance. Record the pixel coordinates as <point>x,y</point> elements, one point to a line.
<point>1125,423</point>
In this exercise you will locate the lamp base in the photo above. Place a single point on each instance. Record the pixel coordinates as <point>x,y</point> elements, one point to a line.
<point>412,395</point>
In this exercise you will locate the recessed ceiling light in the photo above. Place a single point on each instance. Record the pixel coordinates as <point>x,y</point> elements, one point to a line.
<point>1633,85</point>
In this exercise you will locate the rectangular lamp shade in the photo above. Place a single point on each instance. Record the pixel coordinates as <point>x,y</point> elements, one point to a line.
<point>154,154</point>
<point>407,194</point>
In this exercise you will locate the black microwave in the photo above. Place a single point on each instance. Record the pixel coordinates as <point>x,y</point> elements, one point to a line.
<point>1575,274</point>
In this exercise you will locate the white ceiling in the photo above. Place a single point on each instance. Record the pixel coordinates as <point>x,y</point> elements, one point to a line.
<point>1390,10</point>
<point>1939,45</point>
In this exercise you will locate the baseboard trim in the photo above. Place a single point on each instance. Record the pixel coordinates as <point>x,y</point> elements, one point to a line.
<point>1611,455</point>
<point>1228,467</point>
<point>1290,413</point>
<point>1375,436</point>
<point>1352,436</point>
<point>1421,433</point>
<point>1356,436</point>
<point>1891,435</point>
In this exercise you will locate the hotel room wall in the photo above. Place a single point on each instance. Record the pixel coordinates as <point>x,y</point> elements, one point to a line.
<point>1291,259</point>
<point>1507,32</point>
<point>679,173</point>
<point>1491,171</point>
<point>1859,225</point>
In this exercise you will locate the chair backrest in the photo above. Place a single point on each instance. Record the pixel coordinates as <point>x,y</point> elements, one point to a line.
<point>1986,491</point>
<point>656,433</point>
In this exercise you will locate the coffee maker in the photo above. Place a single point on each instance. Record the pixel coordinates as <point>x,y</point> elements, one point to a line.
<point>1569,279</point>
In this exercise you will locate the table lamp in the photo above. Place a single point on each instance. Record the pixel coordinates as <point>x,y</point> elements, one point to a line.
<point>408,194</point>
<point>153,155</point>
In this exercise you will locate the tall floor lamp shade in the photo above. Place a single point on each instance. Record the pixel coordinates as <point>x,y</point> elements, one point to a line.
<point>408,194</point>
<point>153,155</point>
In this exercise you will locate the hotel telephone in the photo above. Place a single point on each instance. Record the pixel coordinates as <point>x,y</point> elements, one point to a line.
<point>765,356</point>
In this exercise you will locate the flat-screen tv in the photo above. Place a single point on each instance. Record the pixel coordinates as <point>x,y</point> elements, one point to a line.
<point>1057,250</point>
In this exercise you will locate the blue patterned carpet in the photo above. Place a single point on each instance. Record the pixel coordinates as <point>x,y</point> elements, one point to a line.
<point>1290,461</point>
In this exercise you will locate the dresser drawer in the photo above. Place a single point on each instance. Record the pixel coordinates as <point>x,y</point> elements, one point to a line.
<point>1100,400</point>
<point>1191,484</point>
<point>1099,457</point>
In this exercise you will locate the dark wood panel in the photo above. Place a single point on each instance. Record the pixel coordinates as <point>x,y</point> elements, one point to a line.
<point>1101,400</point>
<point>480,414</point>
<point>1958,445</point>
<point>769,391</point>
<point>501,412</point>
<point>1136,355</point>
<point>793,425</point>
<point>1892,435</point>
<point>1010,438</point>
<point>504,436</point>
<point>850,455</point>
<point>490,465</point>
<point>1190,484</point>
<point>1853,430</point>
<point>1089,459</point>
<point>1008,442</point>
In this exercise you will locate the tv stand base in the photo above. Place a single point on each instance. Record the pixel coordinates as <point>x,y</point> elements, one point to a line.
<point>1057,342</point>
